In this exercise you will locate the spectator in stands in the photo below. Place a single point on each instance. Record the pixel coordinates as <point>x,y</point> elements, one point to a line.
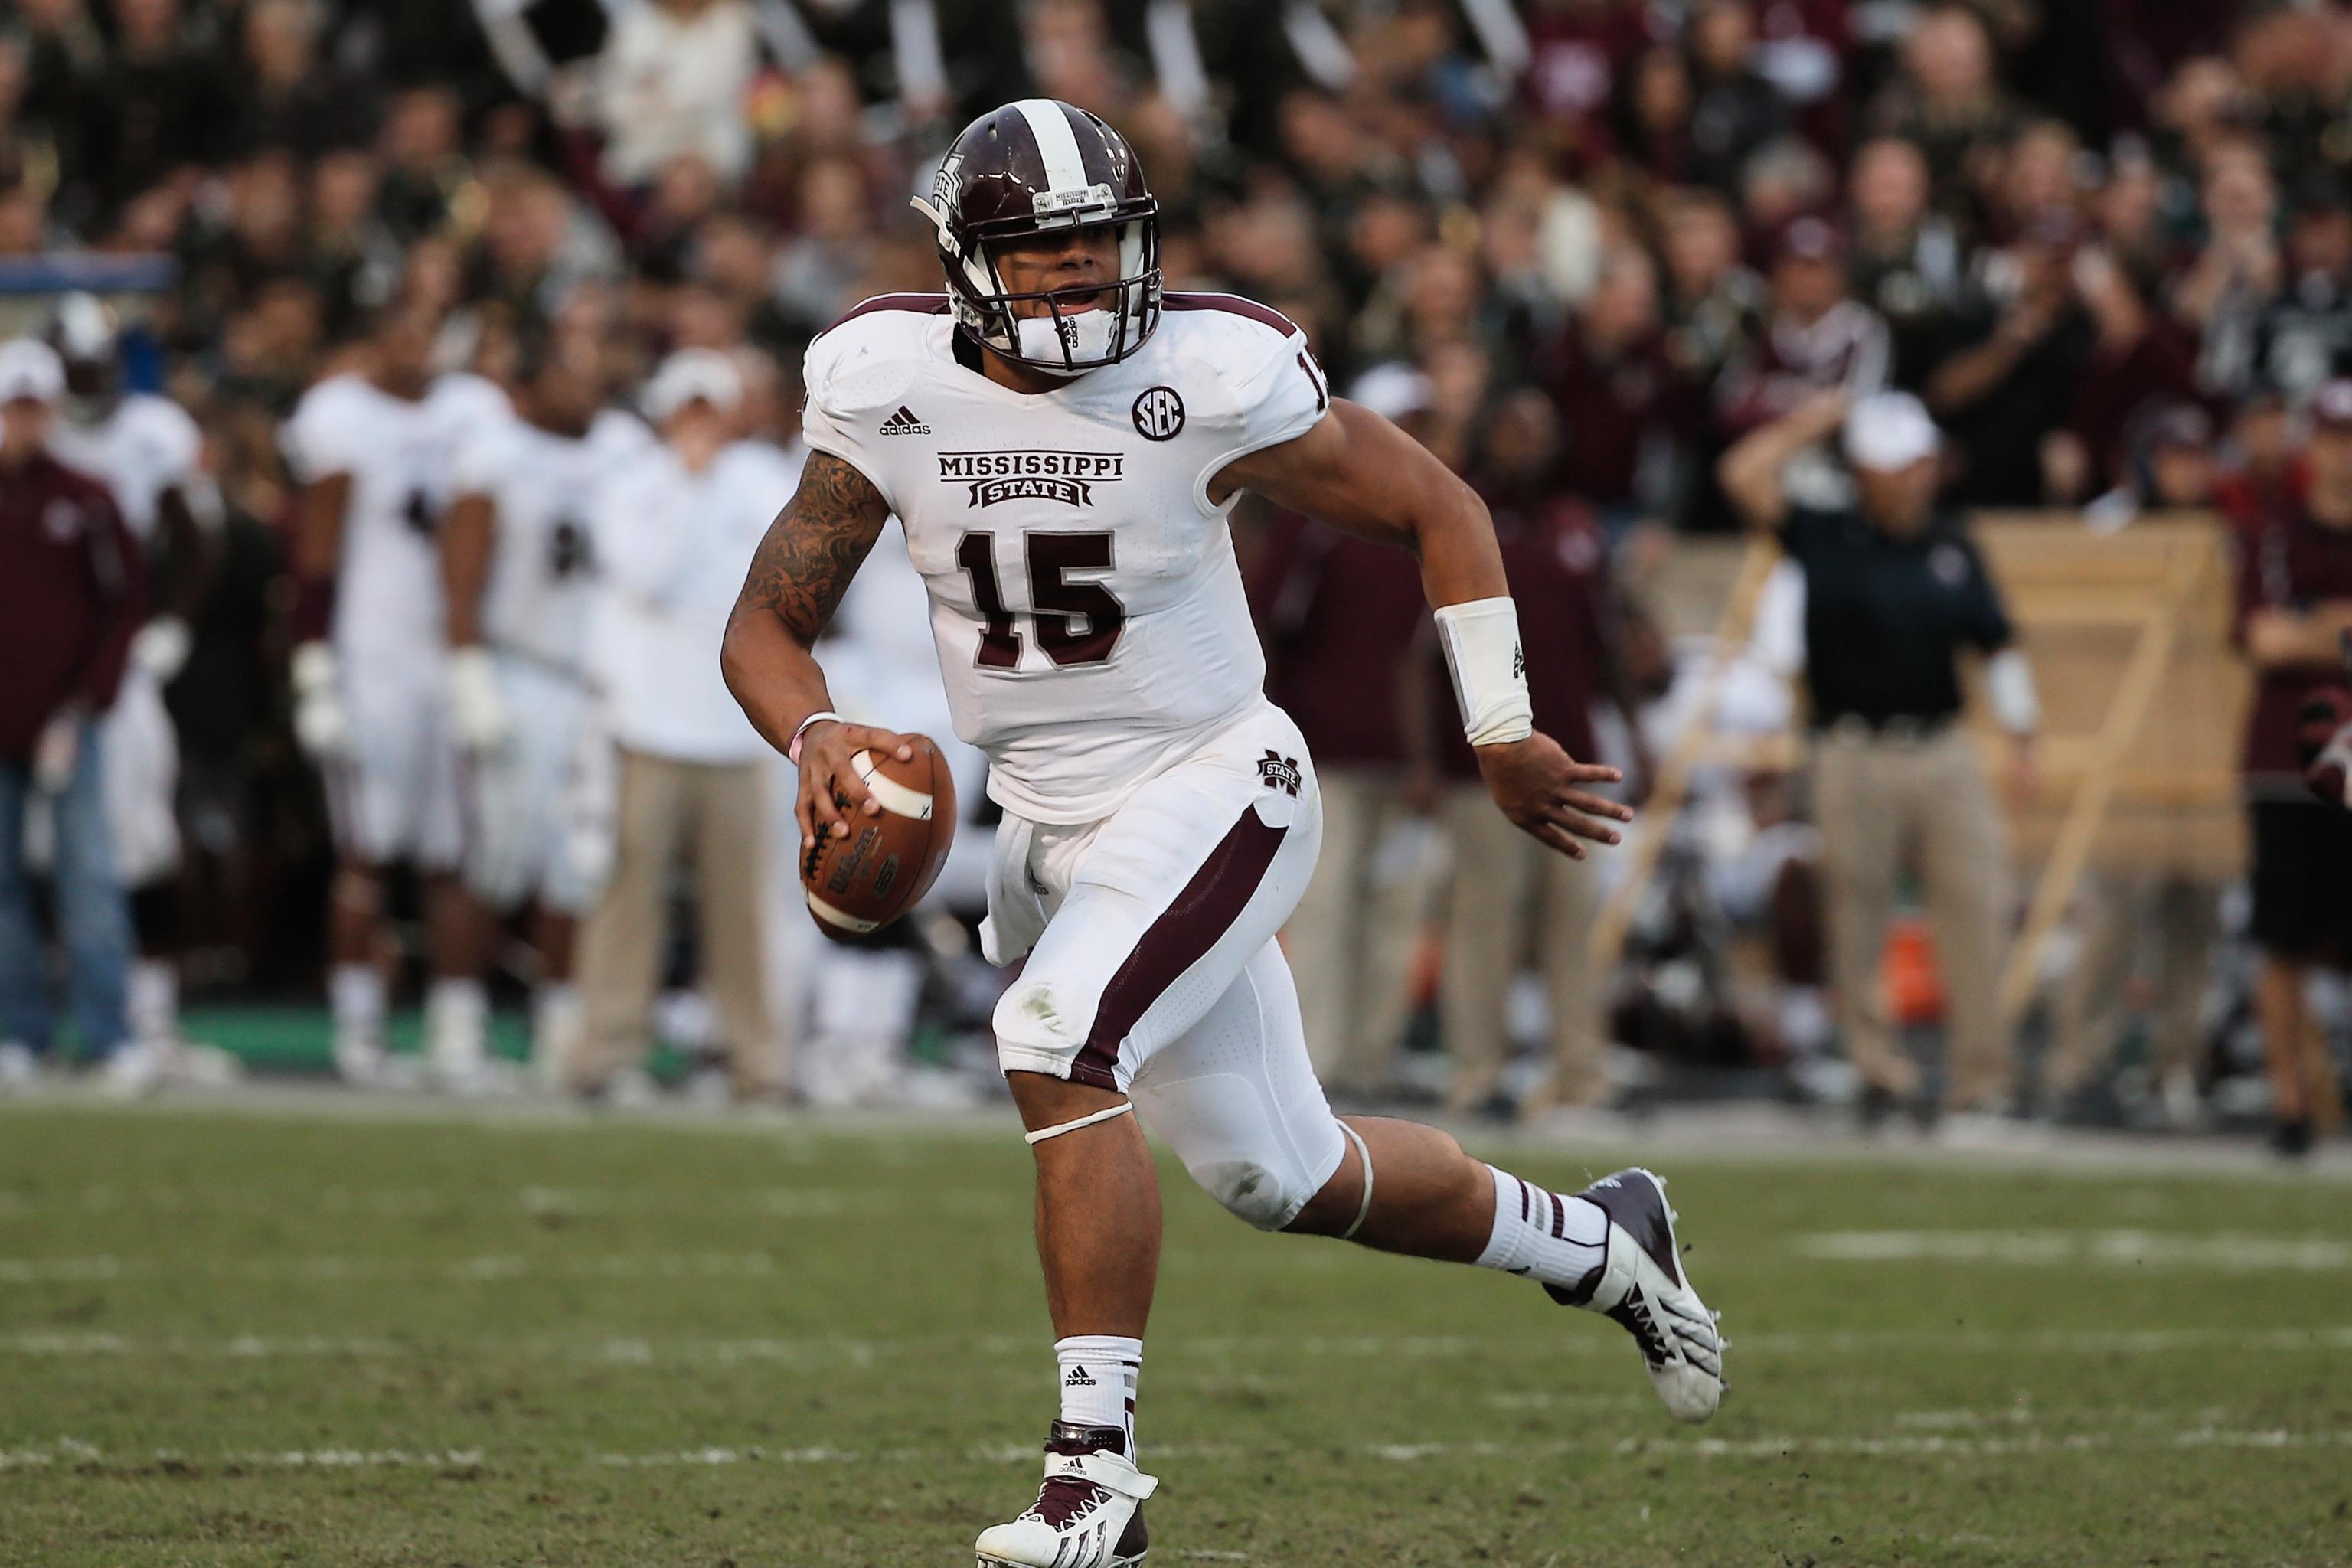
<point>2294,600</point>
<point>1895,593</point>
<point>1626,412</point>
<point>1509,894</point>
<point>672,81</point>
<point>1909,264</point>
<point>2019,344</point>
<point>72,597</point>
<point>675,530</point>
<point>1339,618</point>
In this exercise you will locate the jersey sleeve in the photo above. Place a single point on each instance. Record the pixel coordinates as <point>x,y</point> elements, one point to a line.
<point>1277,393</point>
<point>325,435</point>
<point>480,455</point>
<point>853,383</point>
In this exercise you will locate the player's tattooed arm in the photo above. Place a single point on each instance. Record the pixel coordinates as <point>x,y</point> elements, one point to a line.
<point>801,569</point>
<point>812,549</point>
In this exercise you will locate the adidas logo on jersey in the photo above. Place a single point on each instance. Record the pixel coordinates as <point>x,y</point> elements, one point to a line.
<point>904,423</point>
<point>1079,1378</point>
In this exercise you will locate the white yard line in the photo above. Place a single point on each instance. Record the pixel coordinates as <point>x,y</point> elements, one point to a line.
<point>70,1453</point>
<point>824,1350</point>
<point>2235,1252</point>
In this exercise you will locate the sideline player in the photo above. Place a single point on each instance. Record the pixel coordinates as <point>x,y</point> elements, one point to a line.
<point>518,568</point>
<point>371,449</point>
<point>1062,443</point>
<point>144,448</point>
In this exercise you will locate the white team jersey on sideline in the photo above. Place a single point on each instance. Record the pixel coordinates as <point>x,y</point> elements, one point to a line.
<point>1085,599</point>
<point>401,458</point>
<point>143,447</point>
<point>543,488</point>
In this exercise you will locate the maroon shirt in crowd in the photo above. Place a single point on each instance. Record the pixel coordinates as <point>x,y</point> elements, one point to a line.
<point>2287,559</point>
<point>1339,616</point>
<point>1613,411</point>
<point>72,595</point>
<point>1557,561</point>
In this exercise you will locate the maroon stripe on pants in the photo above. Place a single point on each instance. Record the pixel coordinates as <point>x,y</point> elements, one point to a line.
<point>1559,1217</point>
<point>1208,905</point>
<point>1523,1198</point>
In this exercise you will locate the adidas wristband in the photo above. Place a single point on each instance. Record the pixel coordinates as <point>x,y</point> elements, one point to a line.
<point>1481,640</point>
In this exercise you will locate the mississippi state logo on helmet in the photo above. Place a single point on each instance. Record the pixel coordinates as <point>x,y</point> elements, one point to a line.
<point>1042,166</point>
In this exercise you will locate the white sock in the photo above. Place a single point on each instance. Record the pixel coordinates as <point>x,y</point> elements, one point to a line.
<point>1543,1235</point>
<point>151,1000</point>
<point>1099,1374</point>
<point>456,1023</point>
<point>355,992</point>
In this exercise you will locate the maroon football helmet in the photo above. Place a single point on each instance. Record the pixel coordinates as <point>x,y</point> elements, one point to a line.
<point>1033,167</point>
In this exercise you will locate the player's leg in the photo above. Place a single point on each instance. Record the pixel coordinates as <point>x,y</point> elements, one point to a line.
<point>460,929</point>
<point>371,793</point>
<point>142,773</point>
<point>1237,1100</point>
<point>1166,904</point>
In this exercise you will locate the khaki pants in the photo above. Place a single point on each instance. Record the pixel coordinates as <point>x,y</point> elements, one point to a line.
<point>1505,885</point>
<point>712,814</point>
<point>1886,805</point>
<point>2185,918</point>
<point>1350,942</point>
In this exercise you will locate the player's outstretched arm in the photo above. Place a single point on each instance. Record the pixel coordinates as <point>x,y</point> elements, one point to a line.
<point>1360,474</point>
<point>803,567</point>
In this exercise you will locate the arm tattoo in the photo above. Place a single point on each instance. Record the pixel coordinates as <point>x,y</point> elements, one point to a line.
<point>814,547</point>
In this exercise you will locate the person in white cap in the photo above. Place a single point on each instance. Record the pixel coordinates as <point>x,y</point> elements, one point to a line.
<point>72,597</point>
<point>675,530</point>
<point>1895,592</point>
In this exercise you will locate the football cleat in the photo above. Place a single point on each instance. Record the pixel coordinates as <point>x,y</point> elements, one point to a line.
<point>1089,1512</point>
<point>1643,1287</point>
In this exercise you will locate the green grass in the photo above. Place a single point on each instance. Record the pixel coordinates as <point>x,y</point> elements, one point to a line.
<point>265,1338</point>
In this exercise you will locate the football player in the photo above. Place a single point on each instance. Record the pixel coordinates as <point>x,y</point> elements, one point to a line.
<point>519,567</point>
<point>144,448</point>
<point>372,449</point>
<point>1062,442</point>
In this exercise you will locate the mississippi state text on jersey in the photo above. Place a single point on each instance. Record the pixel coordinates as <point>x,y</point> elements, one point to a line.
<point>1085,599</point>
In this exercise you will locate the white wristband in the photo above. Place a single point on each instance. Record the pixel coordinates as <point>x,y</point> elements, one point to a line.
<point>2009,687</point>
<point>822,715</point>
<point>1481,640</point>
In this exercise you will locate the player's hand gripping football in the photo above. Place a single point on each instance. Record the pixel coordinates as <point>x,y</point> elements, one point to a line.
<point>830,790</point>
<point>1534,784</point>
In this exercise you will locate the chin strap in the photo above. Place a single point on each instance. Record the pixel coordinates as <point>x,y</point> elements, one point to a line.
<point>1364,1209</point>
<point>1121,1108</point>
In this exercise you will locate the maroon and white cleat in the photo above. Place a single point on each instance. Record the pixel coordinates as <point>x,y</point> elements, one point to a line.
<point>1642,1288</point>
<point>1089,1512</point>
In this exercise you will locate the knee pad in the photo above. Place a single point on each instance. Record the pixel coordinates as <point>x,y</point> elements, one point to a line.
<point>1224,1131</point>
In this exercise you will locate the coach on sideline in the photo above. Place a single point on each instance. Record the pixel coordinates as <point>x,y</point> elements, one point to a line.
<point>1893,593</point>
<point>71,599</point>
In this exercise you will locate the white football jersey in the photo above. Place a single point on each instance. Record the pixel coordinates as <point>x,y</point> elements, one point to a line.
<point>400,457</point>
<point>143,447</point>
<point>1085,599</point>
<point>542,487</point>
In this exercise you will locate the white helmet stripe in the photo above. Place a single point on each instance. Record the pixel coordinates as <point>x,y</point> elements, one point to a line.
<point>1066,169</point>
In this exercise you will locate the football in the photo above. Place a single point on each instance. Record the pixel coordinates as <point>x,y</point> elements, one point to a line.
<point>858,885</point>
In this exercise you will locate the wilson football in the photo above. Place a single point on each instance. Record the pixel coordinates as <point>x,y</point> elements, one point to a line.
<point>858,885</point>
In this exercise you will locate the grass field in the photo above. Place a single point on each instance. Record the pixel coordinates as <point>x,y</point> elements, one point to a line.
<point>238,1338</point>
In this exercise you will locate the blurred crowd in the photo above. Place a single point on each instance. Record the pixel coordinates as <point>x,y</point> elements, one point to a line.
<point>1581,247</point>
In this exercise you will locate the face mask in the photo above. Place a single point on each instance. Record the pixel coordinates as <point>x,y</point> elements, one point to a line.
<point>1044,342</point>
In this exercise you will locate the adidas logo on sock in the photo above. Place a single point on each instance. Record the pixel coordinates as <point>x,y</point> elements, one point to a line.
<point>1077,1379</point>
<point>904,423</point>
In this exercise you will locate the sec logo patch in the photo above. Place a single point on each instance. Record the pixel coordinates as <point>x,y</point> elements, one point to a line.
<point>1159,414</point>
